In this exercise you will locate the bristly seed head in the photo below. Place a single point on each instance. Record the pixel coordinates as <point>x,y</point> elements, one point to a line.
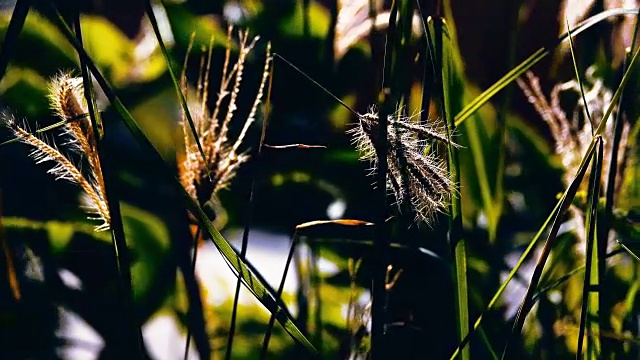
<point>222,156</point>
<point>67,102</point>
<point>415,174</point>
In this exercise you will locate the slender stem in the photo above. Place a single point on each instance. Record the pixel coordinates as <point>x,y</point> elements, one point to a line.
<point>249,215</point>
<point>272,319</point>
<point>195,242</point>
<point>132,340</point>
<point>379,292</point>
<point>444,59</point>
<point>605,224</point>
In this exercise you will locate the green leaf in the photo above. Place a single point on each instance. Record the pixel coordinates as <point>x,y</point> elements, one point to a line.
<point>319,21</point>
<point>453,92</point>
<point>184,23</point>
<point>59,233</point>
<point>149,239</point>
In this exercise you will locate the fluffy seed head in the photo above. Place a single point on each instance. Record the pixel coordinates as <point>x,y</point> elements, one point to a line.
<point>416,176</point>
<point>222,156</point>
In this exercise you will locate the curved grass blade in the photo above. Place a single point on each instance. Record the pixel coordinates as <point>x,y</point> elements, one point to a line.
<point>242,268</point>
<point>564,203</point>
<point>616,96</point>
<point>506,282</point>
<point>540,54</point>
<point>553,215</point>
<point>176,83</point>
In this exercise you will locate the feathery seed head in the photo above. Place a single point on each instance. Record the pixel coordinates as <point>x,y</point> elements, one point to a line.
<point>415,174</point>
<point>67,102</point>
<point>222,156</point>
<point>572,136</point>
<point>66,96</point>
<point>43,150</point>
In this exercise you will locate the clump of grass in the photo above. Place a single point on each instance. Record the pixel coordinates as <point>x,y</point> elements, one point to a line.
<point>572,136</point>
<point>67,102</point>
<point>222,156</point>
<point>417,174</point>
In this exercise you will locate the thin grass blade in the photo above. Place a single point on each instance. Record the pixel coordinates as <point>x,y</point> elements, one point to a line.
<point>526,304</point>
<point>176,83</point>
<point>132,341</point>
<point>451,77</point>
<point>591,272</point>
<point>540,54</point>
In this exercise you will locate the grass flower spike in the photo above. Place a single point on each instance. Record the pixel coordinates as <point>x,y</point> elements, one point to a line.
<point>67,102</point>
<point>416,174</point>
<point>572,136</point>
<point>221,152</point>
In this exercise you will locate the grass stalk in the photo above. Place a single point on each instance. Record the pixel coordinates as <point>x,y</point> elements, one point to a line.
<point>131,340</point>
<point>604,225</point>
<point>456,240</point>
<point>591,267</point>
<point>387,103</point>
<point>195,313</point>
<point>590,285</point>
<point>267,336</point>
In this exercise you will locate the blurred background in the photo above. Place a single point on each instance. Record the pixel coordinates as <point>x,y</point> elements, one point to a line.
<point>66,272</point>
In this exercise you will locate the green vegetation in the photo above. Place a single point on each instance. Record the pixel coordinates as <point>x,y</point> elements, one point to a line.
<point>217,166</point>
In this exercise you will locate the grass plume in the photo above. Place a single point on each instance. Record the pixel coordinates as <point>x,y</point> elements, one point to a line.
<point>67,102</point>
<point>416,174</point>
<point>221,152</point>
